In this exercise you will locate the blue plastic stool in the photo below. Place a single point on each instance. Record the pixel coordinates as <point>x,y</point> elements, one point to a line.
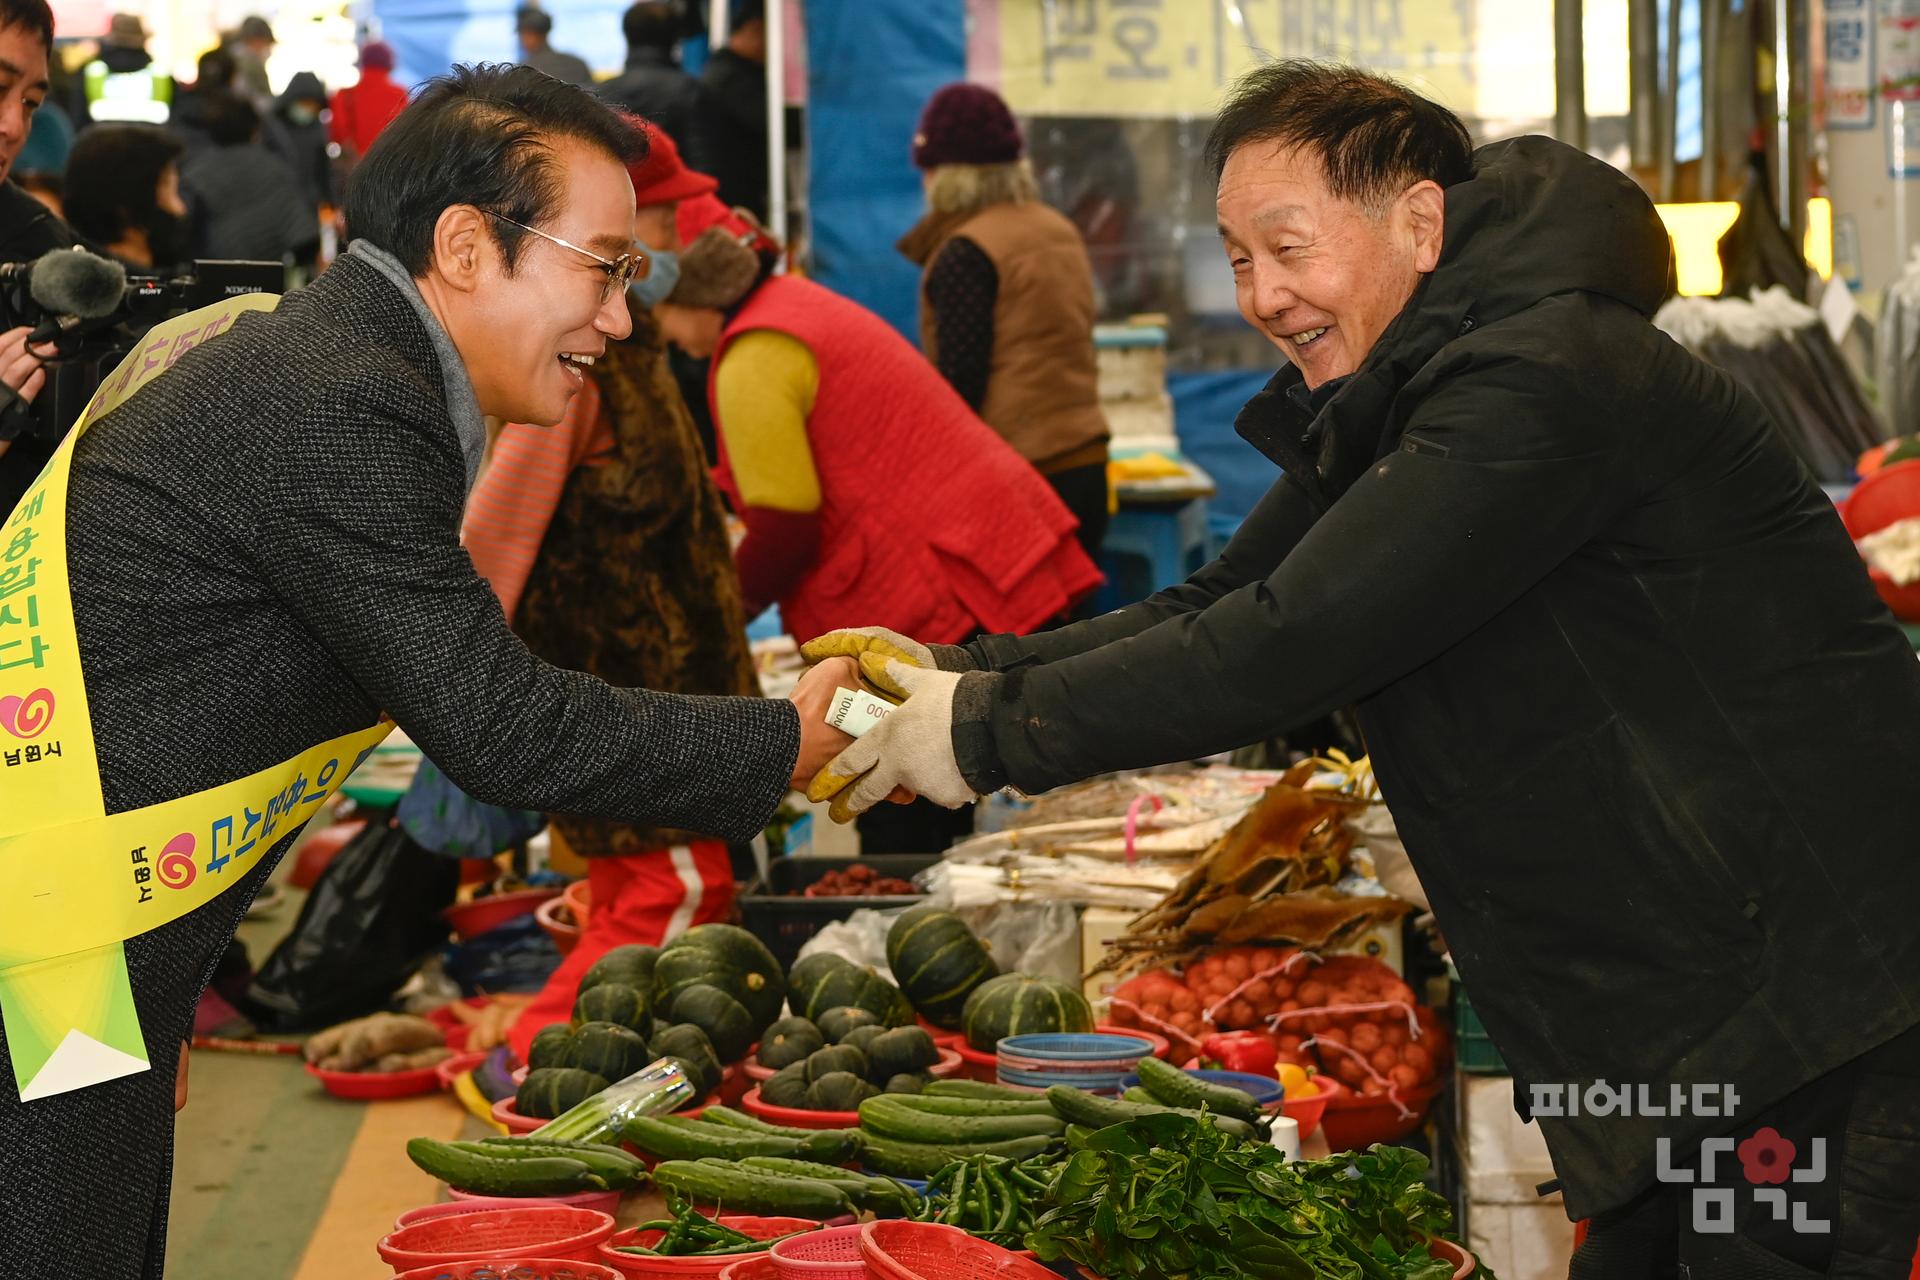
<point>1151,546</point>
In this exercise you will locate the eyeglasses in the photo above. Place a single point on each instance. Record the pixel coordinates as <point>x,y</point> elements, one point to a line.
<point>619,271</point>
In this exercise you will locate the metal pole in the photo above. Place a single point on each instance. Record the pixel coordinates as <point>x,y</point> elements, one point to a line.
<point>1643,75</point>
<point>1710,99</point>
<point>1783,76</point>
<point>1569,73</point>
<point>777,120</point>
<point>719,18</point>
<point>1670,106</point>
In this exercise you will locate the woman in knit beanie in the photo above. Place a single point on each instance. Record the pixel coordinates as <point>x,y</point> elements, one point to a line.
<point>1006,298</point>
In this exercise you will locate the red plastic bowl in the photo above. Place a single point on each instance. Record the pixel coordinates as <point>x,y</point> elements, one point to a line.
<point>1888,495</point>
<point>797,1117</point>
<point>557,920</point>
<point>471,919</point>
<point>579,900</point>
<point>950,1064</point>
<point>451,1069</point>
<point>549,1231</point>
<point>1353,1121</point>
<point>466,1202</point>
<point>517,1268</point>
<point>901,1249</point>
<point>1307,1112</point>
<point>375,1086</point>
<point>640,1267</point>
<point>986,1066</point>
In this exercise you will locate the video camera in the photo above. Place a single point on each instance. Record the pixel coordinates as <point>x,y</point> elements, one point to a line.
<point>94,313</point>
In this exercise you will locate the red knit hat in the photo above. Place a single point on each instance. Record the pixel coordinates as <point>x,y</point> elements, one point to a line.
<point>662,177</point>
<point>966,124</point>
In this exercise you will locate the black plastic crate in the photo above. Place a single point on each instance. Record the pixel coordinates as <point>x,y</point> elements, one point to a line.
<point>786,923</point>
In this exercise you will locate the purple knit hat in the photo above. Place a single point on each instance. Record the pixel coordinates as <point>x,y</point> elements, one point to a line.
<point>966,124</point>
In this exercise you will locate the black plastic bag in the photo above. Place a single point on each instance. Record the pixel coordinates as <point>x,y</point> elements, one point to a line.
<point>372,917</point>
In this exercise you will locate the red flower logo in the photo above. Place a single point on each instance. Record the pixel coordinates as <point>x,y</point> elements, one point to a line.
<point>1767,1156</point>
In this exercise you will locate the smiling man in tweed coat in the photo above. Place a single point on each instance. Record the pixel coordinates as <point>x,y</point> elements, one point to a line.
<point>265,553</point>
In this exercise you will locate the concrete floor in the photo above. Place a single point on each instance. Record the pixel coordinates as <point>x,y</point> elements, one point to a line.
<point>275,1179</point>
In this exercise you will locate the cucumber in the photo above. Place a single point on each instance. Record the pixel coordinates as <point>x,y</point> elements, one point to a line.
<point>890,1117</point>
<point>1170,1085</point>
<point>682,1139</point>
<point>1138,1094</point>
<point>828,1146</point>
<point>921,1160</point>
<point>753,1124</point>
<point>933,1104</point>
<point>470,1168</point>
<point>620,1169</point>
<point>752,1190</point>
<point>867,1192</point>
<point>1076,1106</point>
<point>978,1089</point>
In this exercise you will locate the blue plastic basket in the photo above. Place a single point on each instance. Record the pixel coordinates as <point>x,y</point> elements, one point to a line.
<point>1070,1047</point>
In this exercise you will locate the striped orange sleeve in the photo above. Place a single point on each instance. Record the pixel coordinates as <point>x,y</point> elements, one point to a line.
<point>512,505</point>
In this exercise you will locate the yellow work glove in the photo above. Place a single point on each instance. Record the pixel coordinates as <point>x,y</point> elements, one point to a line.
<point>912,749</point>
<point>855,642</point>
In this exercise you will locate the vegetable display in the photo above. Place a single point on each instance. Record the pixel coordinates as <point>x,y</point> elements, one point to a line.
<point>867,1059</point>
<point>1347,1016</point>
<point>1164,1196</point>
<point>691,1234</point>
<point>993,1197</point>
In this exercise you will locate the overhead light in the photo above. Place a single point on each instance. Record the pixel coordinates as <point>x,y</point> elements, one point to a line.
<point>1695,230</point>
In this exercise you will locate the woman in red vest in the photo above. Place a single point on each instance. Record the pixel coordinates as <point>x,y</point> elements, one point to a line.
<point>871,493</point>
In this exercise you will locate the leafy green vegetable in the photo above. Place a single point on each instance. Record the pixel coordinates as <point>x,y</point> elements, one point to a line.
<point>1167,1196</point>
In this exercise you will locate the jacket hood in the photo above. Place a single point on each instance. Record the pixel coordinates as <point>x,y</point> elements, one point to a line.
<point>305,85</point>
<point>1538,218</point>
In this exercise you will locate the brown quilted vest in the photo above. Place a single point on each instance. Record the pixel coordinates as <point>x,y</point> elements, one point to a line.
<point>1043,395</point>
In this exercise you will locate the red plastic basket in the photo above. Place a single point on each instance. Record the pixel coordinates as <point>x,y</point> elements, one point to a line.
<point>375,1086</point>
<point>512,1269</point>
<point>796,1117</point>
<point>556,919</point>
<point>832,1253</point>
<point>554,1231</point>
<point>1354,1121</point>
<point>1888,495</point>
<point>465,1202</point>
<point>473,918</point>
<point>757,1266</point>
<point>898,1249</point>
<point>636,1266</point>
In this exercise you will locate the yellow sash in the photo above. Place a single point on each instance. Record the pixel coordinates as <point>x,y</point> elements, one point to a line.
<point>75,884</point>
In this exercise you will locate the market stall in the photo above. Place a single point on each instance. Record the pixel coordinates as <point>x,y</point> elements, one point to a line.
<point>1179,978</point>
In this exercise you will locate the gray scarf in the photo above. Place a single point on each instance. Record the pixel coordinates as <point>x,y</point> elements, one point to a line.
<point>468,421</point>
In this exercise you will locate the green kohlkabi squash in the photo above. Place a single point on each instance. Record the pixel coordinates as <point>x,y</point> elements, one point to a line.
<point>1014,1004</point>
<point>938,962</point>
<point>725,1020</point>
<point>861,988</point>
<point>614,1002</point>
<point>723,956</point>
<point>550,1091</point>
<point>630,965</point>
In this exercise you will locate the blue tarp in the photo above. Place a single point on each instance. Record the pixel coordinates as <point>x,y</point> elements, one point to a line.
<point>871,67</point>
<point>1204,405</point>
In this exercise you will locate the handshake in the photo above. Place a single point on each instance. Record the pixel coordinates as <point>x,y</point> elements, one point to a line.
<point>907,754</point>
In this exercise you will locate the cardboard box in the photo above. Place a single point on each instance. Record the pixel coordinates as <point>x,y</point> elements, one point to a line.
<point>1099,926</point>
<point>1521,1241</point>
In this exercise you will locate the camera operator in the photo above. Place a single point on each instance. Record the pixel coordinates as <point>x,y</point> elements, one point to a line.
<point>27,228</point>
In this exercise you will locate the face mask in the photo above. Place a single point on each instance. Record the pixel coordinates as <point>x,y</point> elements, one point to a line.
<point>663,272</point>
<point>302,115</point>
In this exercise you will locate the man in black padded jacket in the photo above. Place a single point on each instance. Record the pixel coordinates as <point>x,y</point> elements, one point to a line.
<point>1649,736</point>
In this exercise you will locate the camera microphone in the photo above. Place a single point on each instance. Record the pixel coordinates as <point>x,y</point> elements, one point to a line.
<point>73,286</point>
